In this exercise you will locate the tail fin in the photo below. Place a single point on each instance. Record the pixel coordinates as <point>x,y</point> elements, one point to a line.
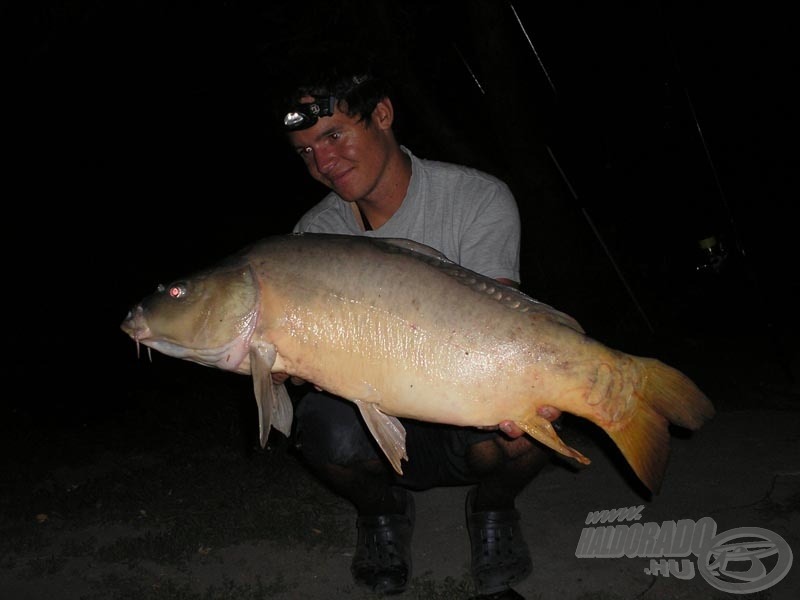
<point>667,396</point>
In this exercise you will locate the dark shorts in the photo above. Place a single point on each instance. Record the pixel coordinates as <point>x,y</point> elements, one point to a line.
<point>329,429</point>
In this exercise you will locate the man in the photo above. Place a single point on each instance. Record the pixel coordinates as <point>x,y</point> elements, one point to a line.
<point>342,130</point>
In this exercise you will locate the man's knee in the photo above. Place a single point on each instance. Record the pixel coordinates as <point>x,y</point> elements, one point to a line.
<point>330,430</point>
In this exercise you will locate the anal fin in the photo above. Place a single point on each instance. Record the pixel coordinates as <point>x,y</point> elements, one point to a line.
<point>543,431</point>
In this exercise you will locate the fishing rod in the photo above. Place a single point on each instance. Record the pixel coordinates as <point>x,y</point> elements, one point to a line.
<point>737,240</point>
<point>563,175</point>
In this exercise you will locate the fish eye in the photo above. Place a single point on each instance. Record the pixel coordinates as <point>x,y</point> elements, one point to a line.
<point>177,290</point>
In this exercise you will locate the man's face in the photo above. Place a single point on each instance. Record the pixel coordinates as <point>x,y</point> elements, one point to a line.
<point>344,154</point>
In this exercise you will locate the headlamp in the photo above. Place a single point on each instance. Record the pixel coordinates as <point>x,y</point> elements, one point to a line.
<point>304,115</point>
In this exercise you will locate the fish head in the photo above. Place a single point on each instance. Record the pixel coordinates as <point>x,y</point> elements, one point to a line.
<point>208,318</point>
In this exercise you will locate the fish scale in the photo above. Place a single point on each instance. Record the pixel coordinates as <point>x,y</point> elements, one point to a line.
<point>401,331</point>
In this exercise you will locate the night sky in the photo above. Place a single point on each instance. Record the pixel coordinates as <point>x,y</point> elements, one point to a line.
<point>141,148</point>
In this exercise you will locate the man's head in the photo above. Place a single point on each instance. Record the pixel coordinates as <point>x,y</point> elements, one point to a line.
<point>341,126</point>
<point>357,94</point>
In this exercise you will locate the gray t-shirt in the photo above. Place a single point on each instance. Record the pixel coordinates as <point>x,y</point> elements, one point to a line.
<point>469,216</point>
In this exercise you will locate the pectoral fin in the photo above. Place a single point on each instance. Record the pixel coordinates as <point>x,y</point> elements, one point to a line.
<point>542,431</point>
<point>274,405</point>
<point>388,431</point>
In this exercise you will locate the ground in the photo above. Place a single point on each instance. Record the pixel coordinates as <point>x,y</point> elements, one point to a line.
<point>166,496</point>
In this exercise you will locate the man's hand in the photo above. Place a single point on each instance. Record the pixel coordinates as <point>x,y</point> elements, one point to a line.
<point>279,378</point>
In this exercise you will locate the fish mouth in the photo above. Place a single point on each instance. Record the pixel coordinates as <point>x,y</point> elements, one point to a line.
<point>136,327</point>
<point>229,356</point>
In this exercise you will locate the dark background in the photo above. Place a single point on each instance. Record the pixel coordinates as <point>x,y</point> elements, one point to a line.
<point>139,146</point>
